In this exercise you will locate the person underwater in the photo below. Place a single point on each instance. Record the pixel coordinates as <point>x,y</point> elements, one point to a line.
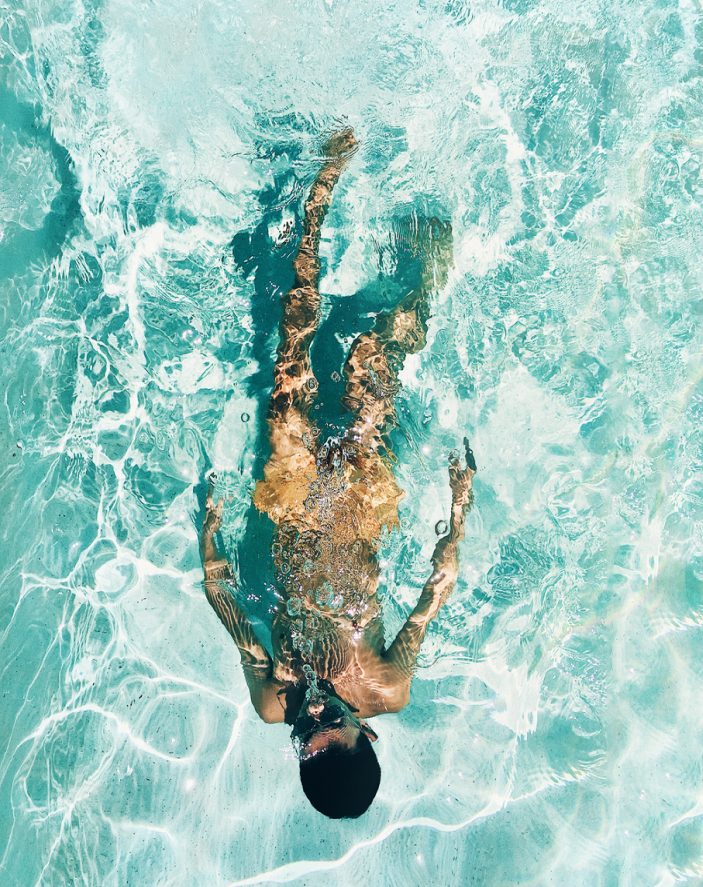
<point>330,670</point>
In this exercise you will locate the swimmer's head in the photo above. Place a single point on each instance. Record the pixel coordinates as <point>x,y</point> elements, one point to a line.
<point>339,771</point>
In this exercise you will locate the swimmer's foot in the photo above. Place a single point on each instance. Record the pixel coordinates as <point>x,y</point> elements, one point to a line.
<point>337,150</point>
<point>341,145</point>
<point>437,253</point>
<point>470,461</point>
<point>461,479</point>
<point>432,242</point>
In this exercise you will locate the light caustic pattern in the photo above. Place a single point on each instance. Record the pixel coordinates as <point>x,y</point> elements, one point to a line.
<point>156,160</point>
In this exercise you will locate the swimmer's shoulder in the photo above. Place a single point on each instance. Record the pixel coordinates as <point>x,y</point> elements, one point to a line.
<point>372,699</point>
<point>376,687</point>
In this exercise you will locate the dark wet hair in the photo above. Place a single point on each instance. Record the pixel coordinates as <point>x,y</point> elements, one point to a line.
<point>341,783</point>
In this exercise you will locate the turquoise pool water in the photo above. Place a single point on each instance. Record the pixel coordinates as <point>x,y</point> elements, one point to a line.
<point>154,156</point>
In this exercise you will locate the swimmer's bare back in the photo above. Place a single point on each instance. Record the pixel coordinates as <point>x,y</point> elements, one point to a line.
<point>331,500</point>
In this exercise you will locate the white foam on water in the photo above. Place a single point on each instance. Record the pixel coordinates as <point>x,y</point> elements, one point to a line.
<point>553,728</point>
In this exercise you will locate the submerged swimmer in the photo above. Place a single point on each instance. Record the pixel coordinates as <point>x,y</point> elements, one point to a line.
<point>330,670</point>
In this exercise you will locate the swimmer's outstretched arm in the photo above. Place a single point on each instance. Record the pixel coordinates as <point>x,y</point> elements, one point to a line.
<point>219,577</point>
<point>402,655</point>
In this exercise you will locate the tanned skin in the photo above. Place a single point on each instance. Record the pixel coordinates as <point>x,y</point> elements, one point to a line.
<point>330,502</point>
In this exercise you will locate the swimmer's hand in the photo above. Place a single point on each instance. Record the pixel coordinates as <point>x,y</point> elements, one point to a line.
<point>401,657</point>
<point>461,479</point>
<point>211,525</point>
<point>445,558</point>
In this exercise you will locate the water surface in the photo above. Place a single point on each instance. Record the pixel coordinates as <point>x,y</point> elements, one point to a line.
<point>156,157</point>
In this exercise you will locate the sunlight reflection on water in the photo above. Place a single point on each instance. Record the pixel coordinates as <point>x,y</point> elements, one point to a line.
<point>157,158</point>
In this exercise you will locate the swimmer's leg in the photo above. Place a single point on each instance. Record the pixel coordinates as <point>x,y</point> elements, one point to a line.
<point>376,357</point>
<point>295,386</point>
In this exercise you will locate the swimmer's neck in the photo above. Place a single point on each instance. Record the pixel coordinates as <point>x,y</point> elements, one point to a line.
<point>364,696</point>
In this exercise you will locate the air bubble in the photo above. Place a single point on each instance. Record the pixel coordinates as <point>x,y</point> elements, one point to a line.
<point>311,623</point>
<point>245,417</point>
<point>293,606</point>
<point>405,524</point>
<point>441,527</point>
<point>323,594</point>
<point>311,678</point>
